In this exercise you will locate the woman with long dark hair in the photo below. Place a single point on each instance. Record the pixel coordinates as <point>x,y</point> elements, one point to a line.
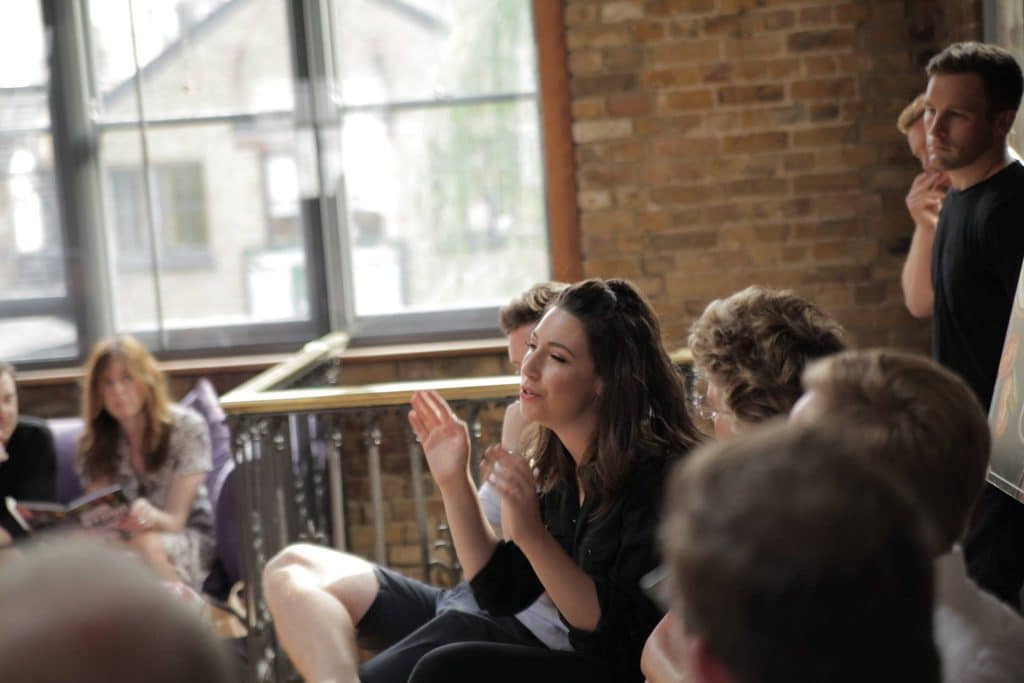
<point>156,451</point>
<point>579,511</point>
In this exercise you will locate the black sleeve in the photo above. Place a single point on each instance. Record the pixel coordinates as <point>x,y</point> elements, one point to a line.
<point>37,476</point>
<point>507,584</point>
<point>32,470</point>
<point>627,615</point>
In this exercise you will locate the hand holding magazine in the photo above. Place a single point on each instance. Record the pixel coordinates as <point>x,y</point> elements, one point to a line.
<point>104,509</point>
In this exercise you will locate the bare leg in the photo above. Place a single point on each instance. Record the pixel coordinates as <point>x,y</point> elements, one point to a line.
<point>316,597</point>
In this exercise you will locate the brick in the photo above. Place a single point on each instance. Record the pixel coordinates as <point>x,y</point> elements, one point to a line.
<point>825,182</point>
<point>603,129</point>
<point>689,51</point>
<point>825,135</point>
<point>594,200</point>
<point>624,58</point>
<point>672,146</point>
<point>598,36</point>
<point>602,177</point>
<point>852,12</point>
<point>694,239</point>
<point>755,142</point>
<point>824,112</point>
<point>671,77</point>
<point>649,31</point>
<point>750,94</point>
<point>772,117</point>
<point>833,39</point>
<point>685,195</point>
<point>583,12</point>
<point>759,46</point>
<point>723,24</point>
<point>823,88</point>
<point>588,109</point>
<point>684,28</point>
<point>679,125</point>
<point>684,100</point>
<point>585,61</point>
<point>816,16</point>
<point>632,150</point>
<point>604,84</point>
<point>669,8</point>
<point>621,11</point>
<point>820,65</point>
<point>757,187</point>
<point>629,104</point>
<point>606,221</point>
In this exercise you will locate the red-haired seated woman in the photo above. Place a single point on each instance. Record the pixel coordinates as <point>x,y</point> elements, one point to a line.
<point>156,451</point>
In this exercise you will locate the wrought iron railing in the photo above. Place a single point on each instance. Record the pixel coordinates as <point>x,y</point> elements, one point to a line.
<point>296,440</point>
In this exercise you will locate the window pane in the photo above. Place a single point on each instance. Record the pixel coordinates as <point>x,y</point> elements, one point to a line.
<point>391,50</point>
<point>445,206</point>
<point>32,284</point>
<point>224,259</point>
<point>196,57</point>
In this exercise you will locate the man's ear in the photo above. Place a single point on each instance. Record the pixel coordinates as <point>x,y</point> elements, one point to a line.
<point>704,666</point>
<point>1004,122</point>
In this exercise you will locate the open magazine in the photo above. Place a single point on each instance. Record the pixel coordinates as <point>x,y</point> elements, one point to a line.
<point>104,509</point>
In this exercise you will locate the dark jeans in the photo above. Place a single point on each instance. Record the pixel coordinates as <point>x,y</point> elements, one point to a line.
<point>994,545</point>
<point>428,634</point>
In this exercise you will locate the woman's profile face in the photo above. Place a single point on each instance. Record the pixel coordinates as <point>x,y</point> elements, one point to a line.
<point>123,395</point>
<point>559,384</point>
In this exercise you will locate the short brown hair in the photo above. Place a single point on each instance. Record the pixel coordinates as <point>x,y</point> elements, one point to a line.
<point>793,560</point>
<point>911,114</point>
<point>754,345</point>
<point>998,70</point>
<point>528,307</point>
<point>918,418</point>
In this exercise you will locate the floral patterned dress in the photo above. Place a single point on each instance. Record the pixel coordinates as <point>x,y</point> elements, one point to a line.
<point>191,549</point>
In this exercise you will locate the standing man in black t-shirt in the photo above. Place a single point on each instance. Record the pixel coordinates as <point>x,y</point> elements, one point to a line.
<point>974,91</point>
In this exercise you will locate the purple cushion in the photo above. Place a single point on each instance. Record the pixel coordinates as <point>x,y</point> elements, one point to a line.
<point>66,432</point>
<point>203,399</point>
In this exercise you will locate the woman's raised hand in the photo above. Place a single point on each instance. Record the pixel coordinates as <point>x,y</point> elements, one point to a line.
<point>444,437</point>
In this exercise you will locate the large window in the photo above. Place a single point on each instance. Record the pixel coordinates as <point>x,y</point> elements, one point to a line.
<point>243,174</point>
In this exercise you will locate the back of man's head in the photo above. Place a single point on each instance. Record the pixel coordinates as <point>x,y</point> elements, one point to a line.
<point>793,560</point>
<point>919,419</point>
<point>998,70</point>
<point>92,614</point>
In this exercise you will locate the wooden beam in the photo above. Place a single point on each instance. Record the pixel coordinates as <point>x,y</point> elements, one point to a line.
<point>556,120</point>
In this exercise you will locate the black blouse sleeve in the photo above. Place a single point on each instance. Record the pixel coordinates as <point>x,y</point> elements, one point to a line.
<point>507,584</point>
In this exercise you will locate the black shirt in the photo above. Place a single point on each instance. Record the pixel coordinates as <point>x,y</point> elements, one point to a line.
<point>30,471</point>
<point>976,258</point>
<point>615,550</point>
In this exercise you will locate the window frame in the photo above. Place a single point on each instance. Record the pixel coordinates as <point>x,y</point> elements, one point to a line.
<point>80,184</point>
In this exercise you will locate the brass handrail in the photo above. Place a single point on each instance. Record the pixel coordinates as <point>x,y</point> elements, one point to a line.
<point>367,396</point>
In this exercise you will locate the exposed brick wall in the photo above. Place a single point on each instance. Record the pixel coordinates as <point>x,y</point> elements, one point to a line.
<point>722,143</point>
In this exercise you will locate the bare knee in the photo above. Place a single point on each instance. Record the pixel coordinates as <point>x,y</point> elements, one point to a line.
<point>150,545</point>
<point>305,567</point>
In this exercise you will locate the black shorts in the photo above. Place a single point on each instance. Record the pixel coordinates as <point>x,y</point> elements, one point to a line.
<point>403,605</point>
<point>409,619</point>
